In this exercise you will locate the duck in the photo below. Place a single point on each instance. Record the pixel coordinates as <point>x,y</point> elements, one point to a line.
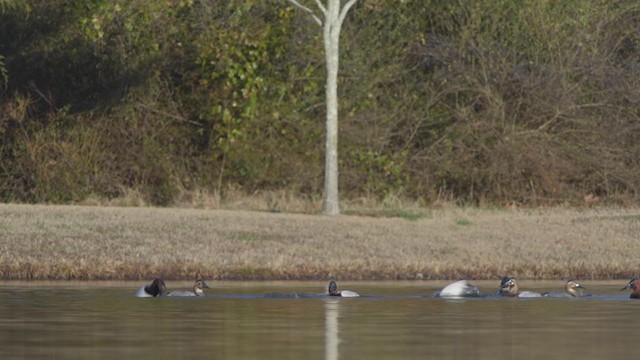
<point>572,289</point>
<point>634,285</point>
<point>198,287</point>
<point>509,287</point>
<point>333,291</point>
<point>155,289</point>
<point>458,289</point>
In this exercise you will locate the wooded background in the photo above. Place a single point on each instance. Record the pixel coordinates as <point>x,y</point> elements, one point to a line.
<point>472,101</point>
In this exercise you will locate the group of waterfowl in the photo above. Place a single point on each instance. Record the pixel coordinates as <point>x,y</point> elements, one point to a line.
<point>508,288</point>
<point>158,288</point>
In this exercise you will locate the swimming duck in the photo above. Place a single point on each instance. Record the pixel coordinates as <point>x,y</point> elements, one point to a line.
<point>572,289</point>
<point>460,288</point>
<point>509,287</point>
<point>156,288</point>
<point>634,284</point>
<point>333,291</point>
<point>197,290</point>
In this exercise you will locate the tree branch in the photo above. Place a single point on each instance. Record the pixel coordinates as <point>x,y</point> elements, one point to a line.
<point>345,10</point>
<point>322,8</point>
<point>309,11</point>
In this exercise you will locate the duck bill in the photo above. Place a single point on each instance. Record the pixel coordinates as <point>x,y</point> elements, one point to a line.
<point>628,286</point>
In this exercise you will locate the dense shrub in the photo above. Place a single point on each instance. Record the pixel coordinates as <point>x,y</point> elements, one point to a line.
<point>479,101</point>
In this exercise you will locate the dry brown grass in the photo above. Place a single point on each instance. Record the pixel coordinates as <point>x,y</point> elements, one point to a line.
<point>86,242</point>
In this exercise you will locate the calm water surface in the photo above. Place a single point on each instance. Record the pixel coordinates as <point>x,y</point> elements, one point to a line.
<point>68,320</point>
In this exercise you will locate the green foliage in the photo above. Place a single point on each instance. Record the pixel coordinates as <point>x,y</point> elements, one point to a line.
<point>475,101</point>
<point>4,74</point>
<point>6,6</point>
<point>10,5</point>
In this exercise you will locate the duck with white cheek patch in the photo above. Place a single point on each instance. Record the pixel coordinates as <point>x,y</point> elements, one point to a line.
<point>509,287</point>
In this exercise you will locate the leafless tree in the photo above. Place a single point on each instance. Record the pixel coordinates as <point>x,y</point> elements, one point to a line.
<point>332,15</point>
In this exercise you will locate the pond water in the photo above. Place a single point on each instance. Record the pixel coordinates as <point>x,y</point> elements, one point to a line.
<point>81,320</point>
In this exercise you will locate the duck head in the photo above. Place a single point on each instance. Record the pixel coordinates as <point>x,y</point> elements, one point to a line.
<point>333,288</point>
<point>199,286</point>
<point>508,287</point>
<point>634,285</point>
<point>157,288</point>
<point>574,289</point>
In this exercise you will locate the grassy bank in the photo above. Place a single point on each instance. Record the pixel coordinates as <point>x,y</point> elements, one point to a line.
<point>85,242</point>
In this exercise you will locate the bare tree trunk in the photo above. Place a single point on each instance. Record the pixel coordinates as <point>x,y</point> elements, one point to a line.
<point>333,18</point>
<point>330,201</point>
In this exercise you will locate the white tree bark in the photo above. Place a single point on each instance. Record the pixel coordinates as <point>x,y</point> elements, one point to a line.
<point>334,16</point>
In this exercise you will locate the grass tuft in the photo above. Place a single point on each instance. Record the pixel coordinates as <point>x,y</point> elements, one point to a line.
<point>463,222</point>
